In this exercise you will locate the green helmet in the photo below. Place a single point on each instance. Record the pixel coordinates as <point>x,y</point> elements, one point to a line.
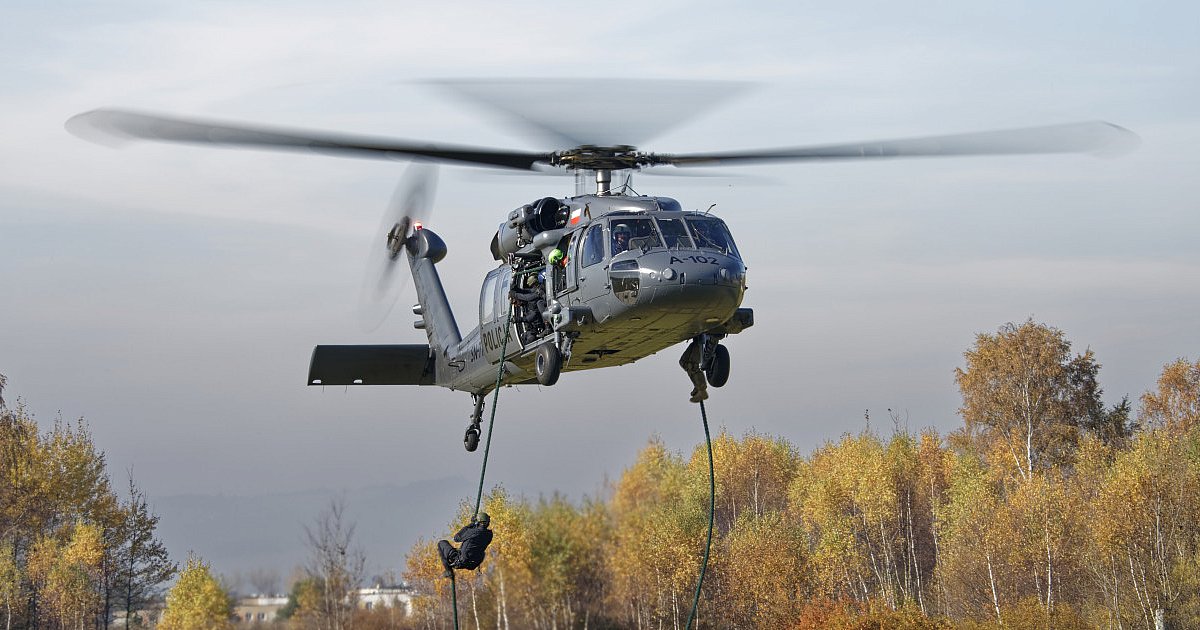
<point>483,519</point>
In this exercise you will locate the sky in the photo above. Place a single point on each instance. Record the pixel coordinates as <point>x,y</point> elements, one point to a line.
<point>172,295</point>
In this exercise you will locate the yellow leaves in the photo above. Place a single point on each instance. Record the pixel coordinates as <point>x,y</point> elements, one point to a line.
<point>763,569</point>
<point>871,532</point>
<point>752,474</point>
<point>65,572</point>
<point>86,547</point>
<point>1175,405</point>
<point>10,572</point>
<point>1149,496</point>
<point>1027,393</point>
<point>656,473</point>
<point>197,601</point>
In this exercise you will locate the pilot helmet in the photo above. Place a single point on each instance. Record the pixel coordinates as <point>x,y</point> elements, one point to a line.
<point>621,228</point>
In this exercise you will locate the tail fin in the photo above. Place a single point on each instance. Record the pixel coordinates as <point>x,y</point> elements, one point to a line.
<point>424,250</point>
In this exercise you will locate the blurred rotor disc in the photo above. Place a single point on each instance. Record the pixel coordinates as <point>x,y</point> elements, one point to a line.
<point>386,269</point>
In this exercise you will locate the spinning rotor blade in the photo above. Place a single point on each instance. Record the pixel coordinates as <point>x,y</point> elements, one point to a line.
<point>1097,137</point>
<point>114,126</point>
<point>603,112</point>
<point>386,271</point>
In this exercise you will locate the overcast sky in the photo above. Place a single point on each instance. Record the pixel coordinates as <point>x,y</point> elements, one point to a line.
<point>172,295</point>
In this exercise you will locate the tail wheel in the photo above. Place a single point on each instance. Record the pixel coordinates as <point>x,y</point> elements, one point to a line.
<point>548,364</point>
<point>717,370</point>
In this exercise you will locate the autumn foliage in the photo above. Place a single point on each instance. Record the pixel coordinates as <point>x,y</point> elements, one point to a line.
<point>196,601</point>
<point>73,553</point>
<point>1047,509</point>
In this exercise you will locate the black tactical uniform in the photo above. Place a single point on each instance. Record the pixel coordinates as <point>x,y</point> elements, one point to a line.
<point>474,538</point>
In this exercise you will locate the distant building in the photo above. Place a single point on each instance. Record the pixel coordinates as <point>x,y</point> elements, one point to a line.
<point>380,596</point>
<point>145,618</point>
<point>258,609</point>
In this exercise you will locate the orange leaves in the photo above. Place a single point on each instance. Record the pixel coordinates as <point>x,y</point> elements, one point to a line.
<point>1175,405</point>
<point>1028,395</point>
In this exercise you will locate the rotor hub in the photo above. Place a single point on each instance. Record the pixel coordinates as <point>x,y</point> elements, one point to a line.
<point>396,238</point>
<point>602,158</point>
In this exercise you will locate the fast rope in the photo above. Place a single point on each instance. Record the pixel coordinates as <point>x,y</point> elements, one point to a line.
<point>712,506</point>
<point>486,448</point>
<point>496,394</point>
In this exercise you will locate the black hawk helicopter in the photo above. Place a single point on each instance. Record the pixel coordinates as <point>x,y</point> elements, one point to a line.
<point>589,281</point>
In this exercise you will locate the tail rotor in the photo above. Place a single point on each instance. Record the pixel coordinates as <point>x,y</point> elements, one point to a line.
<point>384,281</point>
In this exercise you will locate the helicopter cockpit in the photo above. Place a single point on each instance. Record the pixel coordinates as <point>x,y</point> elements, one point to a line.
<point>684,232</point>
<point>712,233</point>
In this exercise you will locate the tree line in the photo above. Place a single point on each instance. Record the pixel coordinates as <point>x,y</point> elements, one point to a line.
<point>73,550</point>
<point>1046,509</point>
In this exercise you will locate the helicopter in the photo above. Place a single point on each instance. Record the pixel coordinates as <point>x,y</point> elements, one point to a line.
<point>598,279</point>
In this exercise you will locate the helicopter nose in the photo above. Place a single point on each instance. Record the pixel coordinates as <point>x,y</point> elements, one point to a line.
<point>700,270</point>
<point>683,282</point>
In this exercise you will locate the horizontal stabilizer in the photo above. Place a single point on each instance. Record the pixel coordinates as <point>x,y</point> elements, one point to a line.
<point>409,364</point>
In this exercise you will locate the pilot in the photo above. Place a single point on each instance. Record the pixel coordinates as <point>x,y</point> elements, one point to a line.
<point>620,237</point>
<point>475,539</point>
<point>690,362</point>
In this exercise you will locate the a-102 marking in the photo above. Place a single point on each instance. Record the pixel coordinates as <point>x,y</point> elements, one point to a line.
<point>700,260</point>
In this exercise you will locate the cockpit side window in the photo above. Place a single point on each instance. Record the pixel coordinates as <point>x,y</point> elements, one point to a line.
<point>630,233</point>
<point>487,298</point>
<point>711,233</point>
<point>592,250</point>
<point>675,234</point>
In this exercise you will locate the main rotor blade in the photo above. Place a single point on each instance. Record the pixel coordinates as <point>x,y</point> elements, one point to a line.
<point>1096,137</point>
<point>601,112</point>
<point>112,126</point>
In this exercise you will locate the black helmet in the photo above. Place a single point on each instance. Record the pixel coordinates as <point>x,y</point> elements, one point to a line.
<point>621,228</point>
<point>483,519</point>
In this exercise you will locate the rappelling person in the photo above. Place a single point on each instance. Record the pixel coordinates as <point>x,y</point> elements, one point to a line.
<point>690,362</point>
<point>475,539</point>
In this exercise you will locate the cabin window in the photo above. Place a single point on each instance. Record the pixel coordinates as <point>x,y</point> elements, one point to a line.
<point>631,233</point>
<point>675,234</point>
<point>487,298</point>
<point>711,233</point>
<point>592,250</point>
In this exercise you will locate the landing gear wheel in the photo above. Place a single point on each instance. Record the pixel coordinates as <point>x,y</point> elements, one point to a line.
<point>548,364</point>
<point>717,370</point>
<point>471,439</point>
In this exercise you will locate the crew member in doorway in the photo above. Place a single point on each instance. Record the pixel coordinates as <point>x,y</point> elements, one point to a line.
<point>532,300</point>
<point>557,262</point>
<point>690,362</point>
<point>475,539</point>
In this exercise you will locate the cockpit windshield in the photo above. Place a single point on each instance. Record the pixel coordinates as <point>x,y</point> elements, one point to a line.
<point>630,233</point>
<point>675,234</point>
<point>711,233</point>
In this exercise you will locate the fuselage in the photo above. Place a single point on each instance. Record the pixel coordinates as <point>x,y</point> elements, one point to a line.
<point>638,274</point>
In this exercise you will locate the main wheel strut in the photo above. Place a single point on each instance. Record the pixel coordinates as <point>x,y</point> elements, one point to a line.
<point>471,437</point>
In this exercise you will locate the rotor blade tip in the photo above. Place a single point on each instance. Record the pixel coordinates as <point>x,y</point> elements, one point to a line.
<point>96,126</point>
<point>1120,141</point>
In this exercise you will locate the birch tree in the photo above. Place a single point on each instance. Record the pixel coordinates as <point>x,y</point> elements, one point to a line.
<point>336,564</point>
<point>197,601</point>
<point>1024,390</point>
